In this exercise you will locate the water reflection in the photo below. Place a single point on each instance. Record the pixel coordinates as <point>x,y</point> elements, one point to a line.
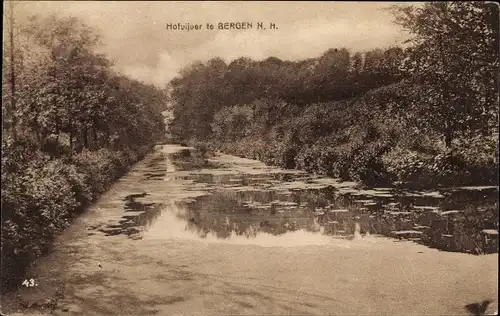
<point>176,223</point>
<point>141,215</point>
<point>451,219</point>
<point>156,167</point>
<point>286,207</point>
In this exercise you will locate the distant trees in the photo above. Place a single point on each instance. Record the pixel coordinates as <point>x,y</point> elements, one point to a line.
<point>203,89</point>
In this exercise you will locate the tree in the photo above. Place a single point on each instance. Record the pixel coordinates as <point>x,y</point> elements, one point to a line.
<point>68,89</point>
<point>197,95</point>
<point>453,58</point>
<point>61,87</point>
<point>330,75</point>
<point>10,73</point>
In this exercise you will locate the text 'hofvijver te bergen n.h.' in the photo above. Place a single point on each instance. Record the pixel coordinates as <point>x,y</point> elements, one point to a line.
<point>220,26</point>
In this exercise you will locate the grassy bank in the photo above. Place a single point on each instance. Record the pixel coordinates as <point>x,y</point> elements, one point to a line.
<point>372,165</point>
<point>41,195</point>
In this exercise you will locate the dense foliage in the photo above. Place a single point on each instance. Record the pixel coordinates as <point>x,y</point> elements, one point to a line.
<point>422,115</point>
<point>72,126</point>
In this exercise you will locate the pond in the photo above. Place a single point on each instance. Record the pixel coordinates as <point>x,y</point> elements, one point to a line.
<point>180,234</point>
<point>244,199</point>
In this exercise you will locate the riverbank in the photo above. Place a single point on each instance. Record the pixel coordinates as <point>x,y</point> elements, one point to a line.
<point>396,167</point>
<point>41,196</point>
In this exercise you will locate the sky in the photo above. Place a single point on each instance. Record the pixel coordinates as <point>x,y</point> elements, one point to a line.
<point>136,37</point>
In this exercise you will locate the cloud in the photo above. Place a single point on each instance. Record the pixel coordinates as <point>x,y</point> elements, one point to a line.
<point>137,40</point>
<point>159,74</point>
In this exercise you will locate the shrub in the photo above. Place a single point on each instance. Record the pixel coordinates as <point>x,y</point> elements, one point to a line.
<point>41,195</point>
<point>79,184</point>
<point>16,154</point>
<point>36,202</point>
<point>477,157</point>
<point>98,166</point>
<point>204,149</point>
<point>407,166</point>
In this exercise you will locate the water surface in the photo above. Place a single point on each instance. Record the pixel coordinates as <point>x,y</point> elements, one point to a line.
<point>178,235</point>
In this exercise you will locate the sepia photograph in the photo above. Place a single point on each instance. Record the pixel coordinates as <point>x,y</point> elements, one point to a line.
<point>250,158</point>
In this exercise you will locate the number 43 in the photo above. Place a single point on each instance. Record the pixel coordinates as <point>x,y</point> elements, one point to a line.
<point>29,283</point>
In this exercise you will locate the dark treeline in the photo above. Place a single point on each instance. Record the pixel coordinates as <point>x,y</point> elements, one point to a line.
<point>70,125</point>
<point>334,76</point>
<point>423,115</point>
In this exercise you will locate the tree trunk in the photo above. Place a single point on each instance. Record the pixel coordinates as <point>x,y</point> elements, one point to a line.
<point>71,141</point>
<point>446,99</point>
<point>96,144</point>
<point>57,132</point>
<point>12,73</point>
<point>106,139</point>
<point>85,137</point>
<point>448,137</point>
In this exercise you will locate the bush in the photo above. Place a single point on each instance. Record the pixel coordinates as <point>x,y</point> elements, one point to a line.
<point>472,161</point>
<point>40,196</point>
<point>478,158</point>
<point>102,167</point>
<point>78,182</point>
<point>413,168</point>
<point>204,149</point>
<point>405,165</point>
<point>36,203</point>
<point>16,154</point>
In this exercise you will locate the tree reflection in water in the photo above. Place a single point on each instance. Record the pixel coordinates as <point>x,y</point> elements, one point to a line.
<point>448,223</point>
<point>278,203</point>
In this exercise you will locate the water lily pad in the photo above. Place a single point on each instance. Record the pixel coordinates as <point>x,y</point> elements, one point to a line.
<point>339,211</point>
